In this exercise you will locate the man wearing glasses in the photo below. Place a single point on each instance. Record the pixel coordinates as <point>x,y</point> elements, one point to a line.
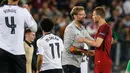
<point>73,53</point>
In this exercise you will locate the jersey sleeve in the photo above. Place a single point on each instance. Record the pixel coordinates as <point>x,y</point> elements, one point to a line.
<point>29,21</point>
<point>69,37</point>
<point>62,45</point>
<point>40,49</point>
<point>103,31</point>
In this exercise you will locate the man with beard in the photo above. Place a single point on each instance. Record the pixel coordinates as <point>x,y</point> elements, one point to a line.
<point>49,50</point>
<point>103,41</point>
<point>72,55</point>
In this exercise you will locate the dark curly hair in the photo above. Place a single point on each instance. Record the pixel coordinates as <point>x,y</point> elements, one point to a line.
<point>46,24</point>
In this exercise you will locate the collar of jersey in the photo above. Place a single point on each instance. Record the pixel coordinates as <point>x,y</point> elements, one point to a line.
<point>47,33</point>
<point>29,44</point>
<point>79,28</point>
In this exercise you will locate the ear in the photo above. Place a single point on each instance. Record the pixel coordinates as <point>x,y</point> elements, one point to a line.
<point>99,17</point>
<point>74,16</point>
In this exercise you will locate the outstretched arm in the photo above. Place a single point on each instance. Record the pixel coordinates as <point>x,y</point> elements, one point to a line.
<point>95,43</point>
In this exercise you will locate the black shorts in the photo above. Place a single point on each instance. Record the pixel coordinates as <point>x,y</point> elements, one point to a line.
<point>4,61</point>
<point>52,71</point>
<point>12,63</point>
<point>71,69</point>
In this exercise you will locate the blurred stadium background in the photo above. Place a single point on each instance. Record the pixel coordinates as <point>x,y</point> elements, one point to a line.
<point>117,15</point>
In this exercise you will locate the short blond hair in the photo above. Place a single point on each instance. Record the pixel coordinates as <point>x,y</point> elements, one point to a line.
<point>75,10</point>
<point>100,11</point>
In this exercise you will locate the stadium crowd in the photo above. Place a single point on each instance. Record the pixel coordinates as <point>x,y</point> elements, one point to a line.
<point>117,15</point>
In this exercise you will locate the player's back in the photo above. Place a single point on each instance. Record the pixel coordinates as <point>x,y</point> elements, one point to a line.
<point>12,19</point>
<point>52,46</point>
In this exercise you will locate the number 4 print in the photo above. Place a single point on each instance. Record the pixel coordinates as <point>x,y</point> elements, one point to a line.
<point>12,25</point>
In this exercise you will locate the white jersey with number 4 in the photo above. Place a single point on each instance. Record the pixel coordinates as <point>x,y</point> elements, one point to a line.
<point>50,46</point>
<point>12,22</point>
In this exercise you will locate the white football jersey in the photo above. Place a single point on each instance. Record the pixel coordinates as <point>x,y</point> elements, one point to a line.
<point>12,22</point>
<point>50,46</point>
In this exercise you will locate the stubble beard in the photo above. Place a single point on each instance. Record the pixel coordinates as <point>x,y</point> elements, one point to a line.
<point>81,22</point>
<point>96,21</point>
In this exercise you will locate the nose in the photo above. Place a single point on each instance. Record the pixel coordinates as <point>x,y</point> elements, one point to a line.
<point>92,17</point>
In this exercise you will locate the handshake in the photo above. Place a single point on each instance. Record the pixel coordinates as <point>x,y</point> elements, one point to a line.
<point>79,51</point>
